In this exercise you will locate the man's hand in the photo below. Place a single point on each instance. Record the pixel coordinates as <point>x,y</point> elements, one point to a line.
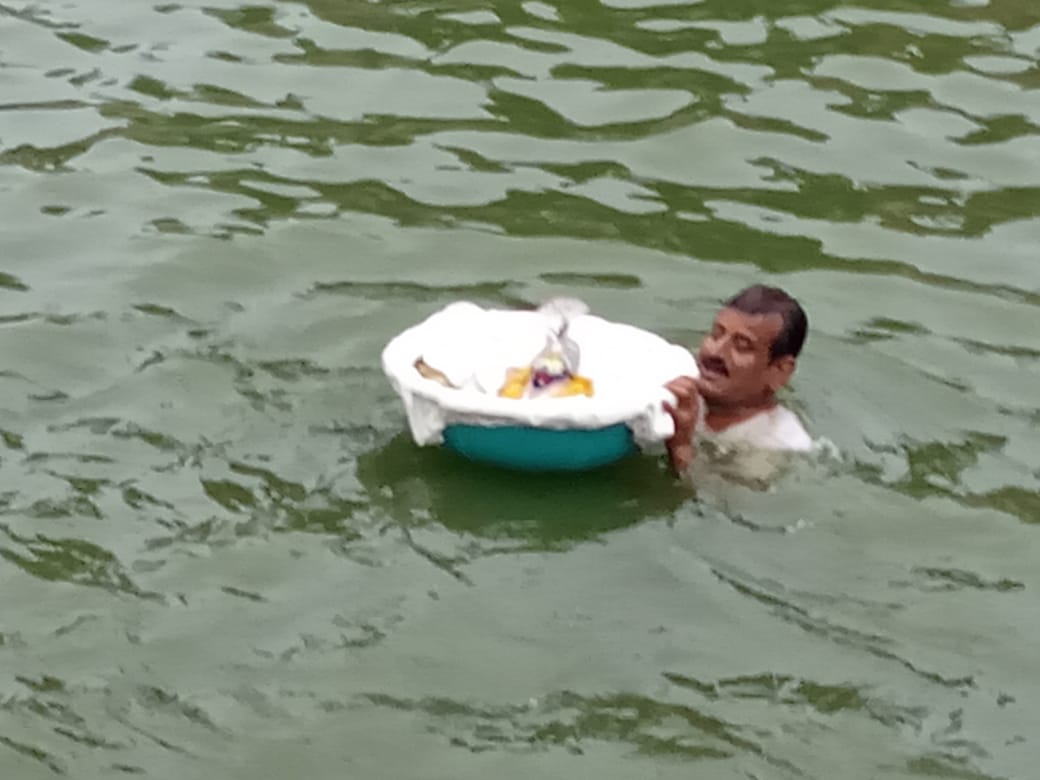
<point>685,413</point>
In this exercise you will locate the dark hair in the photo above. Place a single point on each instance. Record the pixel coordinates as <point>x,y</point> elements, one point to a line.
<point>759,299</point>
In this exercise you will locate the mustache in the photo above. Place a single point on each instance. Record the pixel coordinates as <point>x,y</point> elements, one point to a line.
<point>712,364</point>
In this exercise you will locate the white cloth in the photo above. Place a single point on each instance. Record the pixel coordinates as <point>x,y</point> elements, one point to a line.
<point>776,429</point>
<point>474,347</point>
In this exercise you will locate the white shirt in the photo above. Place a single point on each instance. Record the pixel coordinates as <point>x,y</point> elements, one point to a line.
<point>752,451</point>
<point>776,429</point>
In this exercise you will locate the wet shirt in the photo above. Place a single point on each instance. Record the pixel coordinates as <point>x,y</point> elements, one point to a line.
<point>776,429</point>
<point>752,452</point>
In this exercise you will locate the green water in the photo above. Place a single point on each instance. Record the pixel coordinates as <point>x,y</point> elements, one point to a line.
<point>221,555</point>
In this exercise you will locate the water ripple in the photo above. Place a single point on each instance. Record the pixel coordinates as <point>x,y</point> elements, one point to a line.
<point>222,554</point>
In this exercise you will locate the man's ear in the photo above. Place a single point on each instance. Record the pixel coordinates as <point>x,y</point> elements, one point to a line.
<point>780,371</point>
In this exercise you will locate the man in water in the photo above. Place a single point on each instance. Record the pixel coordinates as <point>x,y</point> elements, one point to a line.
<point>750,353</point>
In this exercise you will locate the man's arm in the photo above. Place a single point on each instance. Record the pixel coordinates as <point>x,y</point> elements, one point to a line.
<point>685,413</point>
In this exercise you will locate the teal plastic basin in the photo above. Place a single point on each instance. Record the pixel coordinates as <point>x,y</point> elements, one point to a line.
<point>541,449</point>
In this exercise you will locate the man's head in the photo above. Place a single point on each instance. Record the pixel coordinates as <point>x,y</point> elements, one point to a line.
<point>753,347</point>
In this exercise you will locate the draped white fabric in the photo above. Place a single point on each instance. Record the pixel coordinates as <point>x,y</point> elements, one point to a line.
<point>473,347</point>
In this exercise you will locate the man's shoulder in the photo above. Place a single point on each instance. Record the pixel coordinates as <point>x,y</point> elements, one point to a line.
<point>790,431</point>
<point>776,429</point>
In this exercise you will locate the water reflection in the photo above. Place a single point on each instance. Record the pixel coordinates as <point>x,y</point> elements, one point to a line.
<point>418,486</point>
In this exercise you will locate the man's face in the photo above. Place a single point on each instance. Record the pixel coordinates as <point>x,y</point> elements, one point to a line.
<point>734,359</point>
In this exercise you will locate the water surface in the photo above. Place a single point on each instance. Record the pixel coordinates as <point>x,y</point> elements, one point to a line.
<point>222,557</point>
